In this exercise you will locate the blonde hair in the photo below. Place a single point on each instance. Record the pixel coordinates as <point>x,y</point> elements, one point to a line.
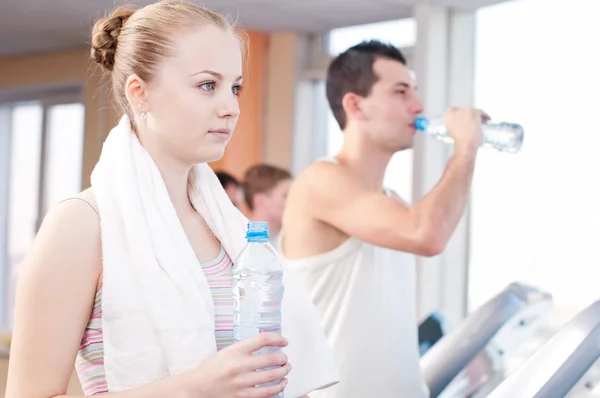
<point>135,40</point>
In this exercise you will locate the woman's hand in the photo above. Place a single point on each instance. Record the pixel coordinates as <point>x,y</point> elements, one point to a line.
<point>232,372</point>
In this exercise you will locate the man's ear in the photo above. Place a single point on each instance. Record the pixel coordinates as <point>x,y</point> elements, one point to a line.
<point>135,91</point>
<point>352,104</point>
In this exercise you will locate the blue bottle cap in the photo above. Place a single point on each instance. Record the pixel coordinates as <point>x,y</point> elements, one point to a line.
<point>257,230</point>
<point>421,123</point>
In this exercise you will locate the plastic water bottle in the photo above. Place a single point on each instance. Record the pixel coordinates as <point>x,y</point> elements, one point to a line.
<point>257,289</point>
<point>503,136</point>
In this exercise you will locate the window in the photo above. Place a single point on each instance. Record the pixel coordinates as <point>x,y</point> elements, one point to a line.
<point>65,152</point>
<point>23,201</point>
<point>535,215</point>
<point>402,33</point>
<point>45,165</point>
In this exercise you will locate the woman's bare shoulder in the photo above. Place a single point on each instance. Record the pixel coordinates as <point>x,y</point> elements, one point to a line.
<point>68,240</point>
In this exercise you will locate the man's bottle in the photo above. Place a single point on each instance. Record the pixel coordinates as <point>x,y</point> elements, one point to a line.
<point>503,136</point>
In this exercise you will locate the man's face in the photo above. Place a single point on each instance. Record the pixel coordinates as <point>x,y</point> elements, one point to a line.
<point>236,195</point>
<point>274,201</point>
<point>388,112</point>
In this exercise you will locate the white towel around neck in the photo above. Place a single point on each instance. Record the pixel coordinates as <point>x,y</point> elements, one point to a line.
<point>158,313</point>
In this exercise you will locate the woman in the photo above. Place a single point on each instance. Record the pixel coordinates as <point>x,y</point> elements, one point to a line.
<point>115,282</point>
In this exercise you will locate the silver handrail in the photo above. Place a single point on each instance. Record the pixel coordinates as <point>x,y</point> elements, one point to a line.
<point>517,305</point>
<point>558,365</point>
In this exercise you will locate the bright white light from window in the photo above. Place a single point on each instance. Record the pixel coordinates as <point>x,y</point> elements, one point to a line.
<point>401,33</point>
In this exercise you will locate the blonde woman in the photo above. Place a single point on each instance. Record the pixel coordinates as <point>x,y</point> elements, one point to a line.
<point>132,279</point>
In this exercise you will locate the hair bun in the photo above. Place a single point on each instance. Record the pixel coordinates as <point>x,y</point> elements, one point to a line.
<point>105,37</point>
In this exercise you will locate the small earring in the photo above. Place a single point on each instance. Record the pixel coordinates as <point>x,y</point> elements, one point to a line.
<point>143,115</point>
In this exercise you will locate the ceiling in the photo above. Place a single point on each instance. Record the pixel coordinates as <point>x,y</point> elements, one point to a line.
<point>28,26</point>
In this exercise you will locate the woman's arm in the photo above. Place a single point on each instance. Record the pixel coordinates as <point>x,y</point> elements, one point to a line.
<point>55,293</point>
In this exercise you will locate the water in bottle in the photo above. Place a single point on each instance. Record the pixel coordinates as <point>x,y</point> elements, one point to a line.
<point>257,289</point>
<point>503,136</point>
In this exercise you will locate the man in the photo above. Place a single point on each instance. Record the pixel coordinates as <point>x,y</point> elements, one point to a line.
<point>352,242</point>
<point>265,192</point>
<point>232,187</point>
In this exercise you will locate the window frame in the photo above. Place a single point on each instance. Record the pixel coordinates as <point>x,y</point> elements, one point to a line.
<point>46,97</point>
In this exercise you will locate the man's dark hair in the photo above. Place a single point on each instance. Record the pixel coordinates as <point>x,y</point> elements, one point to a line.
<point>352,72</point>
<point>227,179</point>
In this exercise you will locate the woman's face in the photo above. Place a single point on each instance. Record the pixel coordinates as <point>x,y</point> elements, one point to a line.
<point>193,99</point>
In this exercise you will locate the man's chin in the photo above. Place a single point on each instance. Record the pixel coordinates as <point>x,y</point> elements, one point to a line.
<point>403,148</point>
<point>405,145</point>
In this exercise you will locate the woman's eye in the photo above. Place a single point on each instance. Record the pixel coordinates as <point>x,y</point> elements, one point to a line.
<point>236,90</point>
<point>208,86</point>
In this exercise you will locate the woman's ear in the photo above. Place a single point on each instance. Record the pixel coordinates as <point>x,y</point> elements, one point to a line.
<point>135,91</point>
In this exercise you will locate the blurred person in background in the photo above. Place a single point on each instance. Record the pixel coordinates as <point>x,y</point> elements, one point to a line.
<point>131,279</point>
<point>232,187</point>
<point>265,192</point>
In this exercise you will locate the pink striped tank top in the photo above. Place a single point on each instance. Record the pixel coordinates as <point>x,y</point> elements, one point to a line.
<point>90,357</point>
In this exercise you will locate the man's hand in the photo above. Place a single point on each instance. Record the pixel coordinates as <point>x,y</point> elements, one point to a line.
<point>464,126</point>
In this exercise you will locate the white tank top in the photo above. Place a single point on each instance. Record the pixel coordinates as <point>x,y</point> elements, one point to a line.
<point>366,296</point>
